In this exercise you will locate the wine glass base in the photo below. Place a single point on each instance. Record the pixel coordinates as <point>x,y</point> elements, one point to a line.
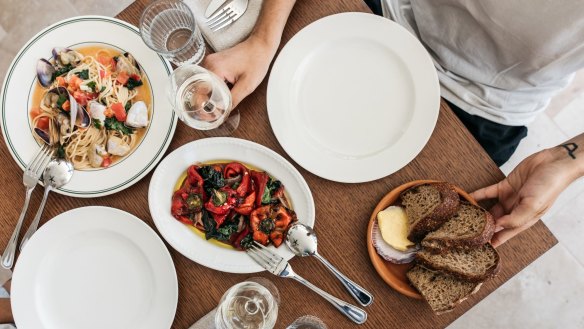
<point>227,128</point>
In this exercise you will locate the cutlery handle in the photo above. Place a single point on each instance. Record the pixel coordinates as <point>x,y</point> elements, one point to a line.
<point>363,296</point>
<point>35,222</point>
<point>10,251</point>
<point>354,313</point>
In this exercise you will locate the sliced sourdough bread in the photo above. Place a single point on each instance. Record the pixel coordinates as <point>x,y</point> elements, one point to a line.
<point>471,226</point>
<point>428,206</point>
<point>443,292</point>
<point>474,265</point>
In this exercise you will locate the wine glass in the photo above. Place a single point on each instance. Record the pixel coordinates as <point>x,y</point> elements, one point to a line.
<point>252,304</point>
<point>202,100</point>
<point>307,322</point>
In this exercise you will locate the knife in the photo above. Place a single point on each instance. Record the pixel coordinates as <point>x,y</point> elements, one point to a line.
<point>213,7</point>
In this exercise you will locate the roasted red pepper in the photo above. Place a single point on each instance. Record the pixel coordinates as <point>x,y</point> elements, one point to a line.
<point>193,177</point>
<point>234,169</point>
<point>219,219</point>
<point>247,205</point>
<point>260,180</point>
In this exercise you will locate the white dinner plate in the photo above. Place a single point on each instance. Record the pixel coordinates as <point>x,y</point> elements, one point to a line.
<point>94,268</point>
<point>194,246</point>
<point>353,97</point>
<point>16,94</point>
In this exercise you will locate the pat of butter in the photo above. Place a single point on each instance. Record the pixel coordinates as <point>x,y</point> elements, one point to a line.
<point>393,224</point>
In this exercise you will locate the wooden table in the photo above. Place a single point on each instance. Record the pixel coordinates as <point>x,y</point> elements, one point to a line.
<point>342,214</point>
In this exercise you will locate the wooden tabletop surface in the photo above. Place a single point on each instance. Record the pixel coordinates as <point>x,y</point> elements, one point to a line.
<point>342,214</point>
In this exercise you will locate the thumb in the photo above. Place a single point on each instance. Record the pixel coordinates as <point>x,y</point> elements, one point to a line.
<point>519,216</point>
<point>241,89</point>
<point>489,192</point>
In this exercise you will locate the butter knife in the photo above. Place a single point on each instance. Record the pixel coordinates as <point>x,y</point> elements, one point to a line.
<point>213,7</point>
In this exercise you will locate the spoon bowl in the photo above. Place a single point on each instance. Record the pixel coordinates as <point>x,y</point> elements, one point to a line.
<point>302,241</point>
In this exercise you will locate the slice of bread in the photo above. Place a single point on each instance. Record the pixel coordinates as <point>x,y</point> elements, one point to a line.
<point>471,226</point>
<point>474,265</point>
<point>428,206</point>
<point>443,292</point>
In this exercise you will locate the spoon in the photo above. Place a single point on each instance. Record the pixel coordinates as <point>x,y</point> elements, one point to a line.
<point>57,174</point>
<point>302,240</point>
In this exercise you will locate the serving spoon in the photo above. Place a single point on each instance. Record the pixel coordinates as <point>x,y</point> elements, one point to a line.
<point>57,174</point>
<point>302,240</point>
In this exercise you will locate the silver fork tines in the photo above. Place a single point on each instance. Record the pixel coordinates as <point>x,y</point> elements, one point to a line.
<point>277,265</point>
<point>227,15</point>
<point>33,171</point>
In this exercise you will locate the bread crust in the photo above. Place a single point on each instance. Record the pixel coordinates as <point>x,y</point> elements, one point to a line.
<point>439,215</point>
<point>437,245</point>
<point>489,273</point>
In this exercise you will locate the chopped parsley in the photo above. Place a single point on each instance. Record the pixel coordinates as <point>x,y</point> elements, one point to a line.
<point>97,123</point>
<point>132,83</point>
<point>83,74</point>
<point>91,84</point>
<point>62,70</point>
<point>113,124</point>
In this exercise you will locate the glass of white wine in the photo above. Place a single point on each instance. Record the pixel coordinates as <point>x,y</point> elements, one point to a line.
<point>252,304</point>
<point>202,100</point>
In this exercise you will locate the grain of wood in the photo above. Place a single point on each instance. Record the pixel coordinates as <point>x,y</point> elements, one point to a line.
<point>342,213</point>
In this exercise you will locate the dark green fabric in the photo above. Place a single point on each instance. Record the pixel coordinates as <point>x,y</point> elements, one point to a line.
<point>500,141</point>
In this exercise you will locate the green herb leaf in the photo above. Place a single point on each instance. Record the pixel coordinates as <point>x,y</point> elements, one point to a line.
<point>194,202</point>
<point>62,99</point>
<point>247,242</point>
<point>102,89</point>
<point>113,124</point>
<point>62,70</point>
<point>97,123</point>
<point>91,84</point>
<point>212,179</point>
<point>128,106</point>
<point>131,84</point>
<point>61,152</point>
<point>219,197</point>
<point>83,74</point>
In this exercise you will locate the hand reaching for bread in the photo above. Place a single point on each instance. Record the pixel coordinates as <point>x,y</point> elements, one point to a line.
<point>530,190</point>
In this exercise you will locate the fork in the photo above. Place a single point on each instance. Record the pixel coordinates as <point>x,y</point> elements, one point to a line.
<point>277,265</point>
<point>228,15</point>
<point>32,173</point>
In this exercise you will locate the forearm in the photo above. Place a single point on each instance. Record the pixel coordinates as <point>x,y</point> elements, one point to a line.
<point>571,155</point>
<point>271,22</point>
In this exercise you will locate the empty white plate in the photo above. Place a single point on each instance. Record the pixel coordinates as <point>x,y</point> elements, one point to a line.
<point>94,268</point>
<point>353,97</point>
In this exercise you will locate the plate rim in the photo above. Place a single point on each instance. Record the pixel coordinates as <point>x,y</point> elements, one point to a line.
<point>146,230</point>
<point>159,223</point>
<point>379,263</point>
<point>119,186</point>
<point>321,172</point>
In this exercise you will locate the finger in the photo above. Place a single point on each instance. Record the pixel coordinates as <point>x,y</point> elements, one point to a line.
<point>489,192</point>
<point>503,236</point>
<point>497,210</point>
<point>241,89</point>
<point>519,216</point>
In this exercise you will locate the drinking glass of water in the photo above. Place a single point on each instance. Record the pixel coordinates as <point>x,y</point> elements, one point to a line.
<point>168,27</point>
<point>202,100</point>
<point>252,304</point>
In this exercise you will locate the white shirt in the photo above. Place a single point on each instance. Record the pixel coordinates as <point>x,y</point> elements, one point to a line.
<point>500,59</point>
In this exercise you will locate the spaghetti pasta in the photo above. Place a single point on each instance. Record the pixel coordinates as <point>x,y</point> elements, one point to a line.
<point>103,85</point>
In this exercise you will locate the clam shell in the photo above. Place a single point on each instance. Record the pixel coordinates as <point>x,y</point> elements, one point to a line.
<point>45,71</point>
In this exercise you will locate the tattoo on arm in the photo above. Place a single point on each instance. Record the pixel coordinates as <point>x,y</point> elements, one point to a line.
<point>571,148</point>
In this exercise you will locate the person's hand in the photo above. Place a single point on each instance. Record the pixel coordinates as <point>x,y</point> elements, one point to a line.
<point>527,193</point>
<point>244,66</point>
